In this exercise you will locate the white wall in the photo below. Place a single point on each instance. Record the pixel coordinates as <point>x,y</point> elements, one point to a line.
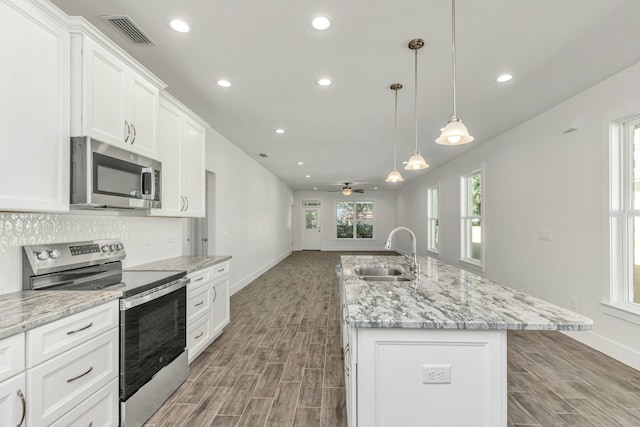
<point>253,211</point>
<point>384,219</point>
<point>145,239</point>
<point>536,177</point>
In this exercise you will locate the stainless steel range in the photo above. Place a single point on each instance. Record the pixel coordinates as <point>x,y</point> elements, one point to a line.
<point>153,356</point>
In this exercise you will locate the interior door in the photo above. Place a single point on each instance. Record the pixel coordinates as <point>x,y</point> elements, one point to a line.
<point>311,235</point>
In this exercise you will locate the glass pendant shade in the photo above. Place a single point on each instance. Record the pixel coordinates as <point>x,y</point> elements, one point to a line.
<point>394,176</point>
<point>346,191</point>
<point>416,162</point>
<point>455,133</point>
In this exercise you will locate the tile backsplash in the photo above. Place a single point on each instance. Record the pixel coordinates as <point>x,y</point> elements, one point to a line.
<point>146,239</point>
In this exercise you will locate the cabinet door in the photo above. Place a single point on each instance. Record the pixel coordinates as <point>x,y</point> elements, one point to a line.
<point>143,114</point>
<point>169,142</point>
<point>12,401</point>
<point>104,95</point>
<point>193,158</point>
<point>34,109</point>
<point>220,305</point>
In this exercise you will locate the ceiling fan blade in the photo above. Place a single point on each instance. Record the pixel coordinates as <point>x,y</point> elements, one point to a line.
<point>357,190</point>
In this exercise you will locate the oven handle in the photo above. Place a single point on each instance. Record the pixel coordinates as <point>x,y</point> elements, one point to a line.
<point>136,300</point>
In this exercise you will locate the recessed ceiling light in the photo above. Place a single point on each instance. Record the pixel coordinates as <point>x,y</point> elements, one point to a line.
<point>405,162</point>
<point>375,188</point>
<point>315,188</point>
<point>307,176</point>
<point>321,22</point>
<point>224,83</point>
<point>324,82</point>
<point>180,26</point>
<point>279,130</point>
<point>300,163</point>
<point>504,78</point>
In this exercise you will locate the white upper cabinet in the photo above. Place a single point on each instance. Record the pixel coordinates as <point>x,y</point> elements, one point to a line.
<point>34,107</point>
<point>114,99</point>
<point>181,149</point>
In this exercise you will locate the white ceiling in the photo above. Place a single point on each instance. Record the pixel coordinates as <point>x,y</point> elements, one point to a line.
<point>272,56</point>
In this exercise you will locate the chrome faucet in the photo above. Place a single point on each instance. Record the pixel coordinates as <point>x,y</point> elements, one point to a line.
<point>414,267</point>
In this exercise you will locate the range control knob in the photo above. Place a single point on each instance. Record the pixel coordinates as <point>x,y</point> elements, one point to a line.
<point>113,248</point>
<point>42,255</point>
<point>105,248</point>
<point>54,254</point>
<point>120,246</point>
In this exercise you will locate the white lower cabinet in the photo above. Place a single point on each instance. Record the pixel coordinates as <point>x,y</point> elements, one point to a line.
<point>207,307</point>
<point>389,382</point>
<point>72,369</point>
<point>13,401</point>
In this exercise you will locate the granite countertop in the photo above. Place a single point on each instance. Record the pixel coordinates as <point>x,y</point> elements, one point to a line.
<point>26,310</point>
<point>187,263</point>
<point>446,297</point>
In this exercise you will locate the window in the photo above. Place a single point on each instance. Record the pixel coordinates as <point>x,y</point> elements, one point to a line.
<point>471,218</point>
<point>625,213</point>
<point>354,220</point>
<point>433,238</point>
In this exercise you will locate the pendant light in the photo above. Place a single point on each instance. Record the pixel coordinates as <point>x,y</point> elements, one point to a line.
<point>416,161</point>
<point>394,175</point>
<point>346,191</point>
<point>455,132</point>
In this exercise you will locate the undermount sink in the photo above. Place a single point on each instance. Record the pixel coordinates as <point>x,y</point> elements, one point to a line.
<point>381,274</point>
<point>378,271</point>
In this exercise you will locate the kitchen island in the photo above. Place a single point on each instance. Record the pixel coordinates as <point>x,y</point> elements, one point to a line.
<point>432,350</point>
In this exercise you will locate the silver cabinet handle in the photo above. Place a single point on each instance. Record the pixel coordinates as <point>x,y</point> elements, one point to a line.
<point>24,407</point>
<point>198,279</point>
<point>127,126</point>
<point>199,335</point>
<point>135,133</point>
<point>81,329</point>
<point>215,294</point>
<point>80,376</point>
<point>346,364</point>
<point>187,198</point>
<point>198,304</point>
<point>221,270</point>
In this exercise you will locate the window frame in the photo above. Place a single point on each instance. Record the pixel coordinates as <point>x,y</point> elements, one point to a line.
<point>433,221</point>
<point>466,217</point>
<point>621,215</point>
<point>355,221</point>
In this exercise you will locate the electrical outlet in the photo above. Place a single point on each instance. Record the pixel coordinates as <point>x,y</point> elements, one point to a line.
<point>544,234</point>
<point>436,374</point>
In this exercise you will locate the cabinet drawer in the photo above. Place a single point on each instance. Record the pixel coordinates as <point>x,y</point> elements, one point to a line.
<point>11,356</point>
<point>198,302</point>
<point>199,277</point>
<point>198,337</point>
<point>99,410</point>
<point>60,384</point>
<point>220,270</point>
<point>55,338</point>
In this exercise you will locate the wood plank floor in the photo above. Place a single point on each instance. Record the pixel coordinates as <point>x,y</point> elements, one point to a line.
<point>279,363</point>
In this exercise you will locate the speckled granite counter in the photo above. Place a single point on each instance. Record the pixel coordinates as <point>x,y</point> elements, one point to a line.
<point>188,263</point>
<point>21,311</point>
<point>446,297</point>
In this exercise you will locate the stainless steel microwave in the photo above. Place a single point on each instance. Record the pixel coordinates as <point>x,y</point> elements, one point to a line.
<point>104,176</point>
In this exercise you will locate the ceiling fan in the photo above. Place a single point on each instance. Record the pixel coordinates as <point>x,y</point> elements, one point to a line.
<point>347,190</point>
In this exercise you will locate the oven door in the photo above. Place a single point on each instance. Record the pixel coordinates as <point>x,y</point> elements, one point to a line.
<point>153,334</point>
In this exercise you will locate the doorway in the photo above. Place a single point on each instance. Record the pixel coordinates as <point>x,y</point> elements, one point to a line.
<point>311,230</point>
<point>202,231</point>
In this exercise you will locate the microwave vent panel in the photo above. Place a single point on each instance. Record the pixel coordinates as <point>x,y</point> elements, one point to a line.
<point>129,29</point>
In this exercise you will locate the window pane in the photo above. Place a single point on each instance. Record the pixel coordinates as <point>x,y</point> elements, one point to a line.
<point>311,219</point>
<point>474,230</point>
<point>364,230</point>
<point>433,234</point>
<point>364,210</point>
<point>344,216</point>
<point>434,203</point>
<point>635,292</point>
<point>636,165</point>
<point>474,187</point>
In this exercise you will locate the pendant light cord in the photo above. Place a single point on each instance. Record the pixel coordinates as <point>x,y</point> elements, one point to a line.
<point>415,97</point>
<point>453,52</point>
<point>395,130</point>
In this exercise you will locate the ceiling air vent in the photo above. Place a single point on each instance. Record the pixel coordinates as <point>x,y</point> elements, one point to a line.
<point>263,155</point>
<point>130,30</point>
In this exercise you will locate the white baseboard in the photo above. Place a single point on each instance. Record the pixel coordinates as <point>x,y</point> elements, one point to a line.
<point>622,353</point>
<point>235,287</point>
